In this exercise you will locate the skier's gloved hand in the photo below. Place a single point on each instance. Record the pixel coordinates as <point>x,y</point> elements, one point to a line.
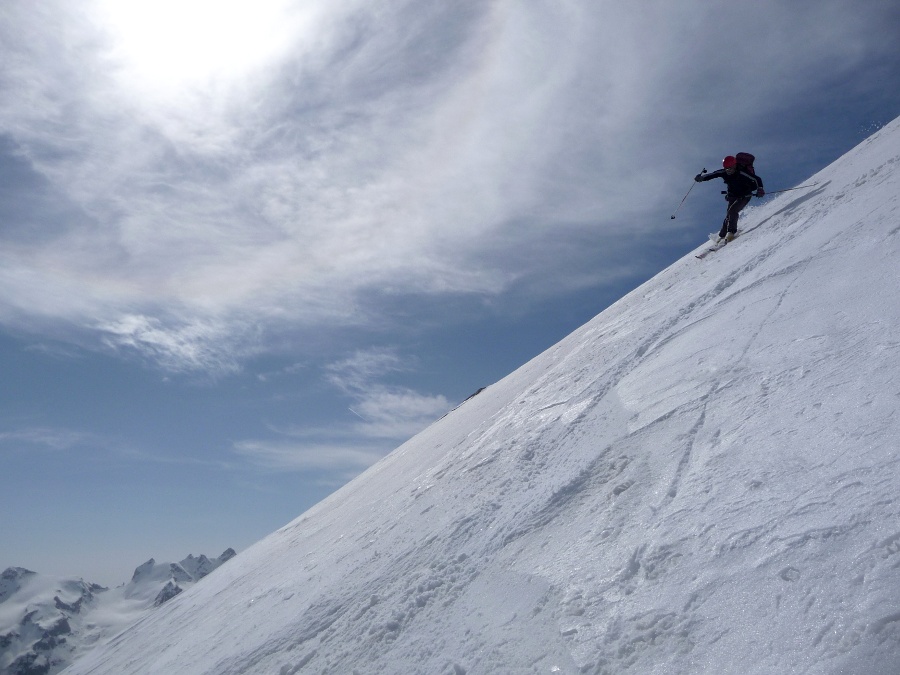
<point>760,192</point>
<point>698,177</point>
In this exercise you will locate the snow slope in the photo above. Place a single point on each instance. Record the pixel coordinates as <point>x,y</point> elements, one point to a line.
<point>702,479</point>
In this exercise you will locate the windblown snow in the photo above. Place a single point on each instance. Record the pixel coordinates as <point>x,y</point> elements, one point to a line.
<point>703,479</point>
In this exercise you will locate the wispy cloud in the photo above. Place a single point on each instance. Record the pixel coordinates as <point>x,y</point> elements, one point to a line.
<point>196,346</point>
<point>386,411</point>
<point>92,446</point>
<point>46,439</point>
<point>390,146</point>
<point>383,416</point>
<point>296,456</point>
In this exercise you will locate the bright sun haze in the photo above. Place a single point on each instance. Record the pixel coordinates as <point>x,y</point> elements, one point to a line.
<point>165,45</point>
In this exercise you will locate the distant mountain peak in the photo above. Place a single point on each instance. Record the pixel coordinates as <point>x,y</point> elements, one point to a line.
<point>169,591</point>
<point>18,572</point>
<point>141,570</point>
<point>11,581</point>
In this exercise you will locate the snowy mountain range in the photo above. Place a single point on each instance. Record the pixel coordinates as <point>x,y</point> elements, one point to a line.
<point>702,479</point>
<point>47,622</point>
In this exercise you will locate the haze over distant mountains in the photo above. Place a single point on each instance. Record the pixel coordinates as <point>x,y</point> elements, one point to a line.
<point>48,622</point>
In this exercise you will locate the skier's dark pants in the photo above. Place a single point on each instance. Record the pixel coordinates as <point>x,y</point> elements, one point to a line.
<point>735,204</point>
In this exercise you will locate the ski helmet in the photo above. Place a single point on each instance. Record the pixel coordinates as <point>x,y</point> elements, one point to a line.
<point>729,162</point>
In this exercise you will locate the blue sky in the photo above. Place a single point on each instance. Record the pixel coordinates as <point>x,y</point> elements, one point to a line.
<point>248,248</point>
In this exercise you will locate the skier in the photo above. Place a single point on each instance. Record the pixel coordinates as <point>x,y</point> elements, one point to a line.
<point>742,182</point>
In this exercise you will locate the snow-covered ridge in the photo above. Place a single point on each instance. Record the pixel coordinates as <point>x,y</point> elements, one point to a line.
<point>702,479</point>
<point>46,622</point>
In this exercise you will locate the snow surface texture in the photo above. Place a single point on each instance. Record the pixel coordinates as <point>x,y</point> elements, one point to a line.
<point>702,479</point>
<point>47,622</point>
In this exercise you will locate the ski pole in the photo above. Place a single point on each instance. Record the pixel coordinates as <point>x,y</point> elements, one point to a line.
<point>686,196</point>
<point>800,187</point>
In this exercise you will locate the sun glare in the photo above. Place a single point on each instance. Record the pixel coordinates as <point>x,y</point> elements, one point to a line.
<point>169,44</point>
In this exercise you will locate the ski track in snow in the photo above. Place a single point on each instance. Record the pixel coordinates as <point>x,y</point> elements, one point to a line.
<point>702,479</point>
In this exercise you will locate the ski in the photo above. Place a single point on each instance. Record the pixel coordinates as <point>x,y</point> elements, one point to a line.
<point>717,244</point>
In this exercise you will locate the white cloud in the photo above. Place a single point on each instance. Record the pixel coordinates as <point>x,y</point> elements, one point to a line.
<point>56,440</point>
<point>397,413</point>
<point>191,346</point>
<point>392,412</point>
<point>385,415</point>
<point>92,446</point>
<point>392,146</point>
<point>285,455</point>
<point>357,372</point>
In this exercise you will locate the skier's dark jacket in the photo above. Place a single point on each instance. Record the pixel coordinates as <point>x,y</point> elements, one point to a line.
<point>740,184</point>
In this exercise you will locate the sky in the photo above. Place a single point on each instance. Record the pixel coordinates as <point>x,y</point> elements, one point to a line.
<point>248,248</point>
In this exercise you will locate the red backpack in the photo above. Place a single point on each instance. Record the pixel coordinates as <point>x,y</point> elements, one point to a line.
<point>745,161</point>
